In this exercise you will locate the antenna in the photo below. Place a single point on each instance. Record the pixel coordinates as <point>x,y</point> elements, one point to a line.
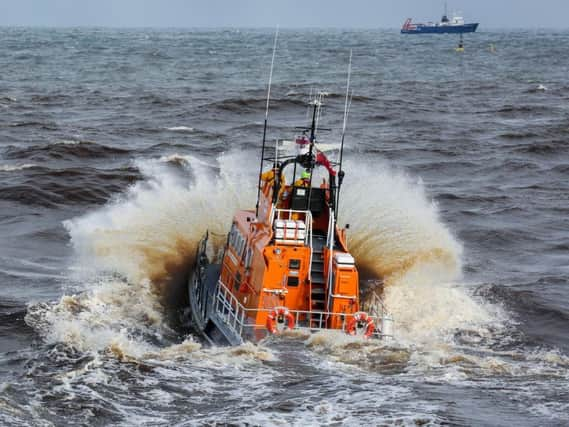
<point>320,103</point>
<point>308,105</point>
<point>347,105</point>
<point>276,151</point>
<point>271,74</point>
<point>266,120</point>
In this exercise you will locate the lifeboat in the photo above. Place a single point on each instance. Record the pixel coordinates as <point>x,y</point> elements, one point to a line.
<point>285,264</point>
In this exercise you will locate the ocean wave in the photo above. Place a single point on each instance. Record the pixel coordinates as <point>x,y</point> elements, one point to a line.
<point>47,187</point>
<point>511,109</point>
<point>34,124</point>
<point>519,135</point>
<point>180,129</point>
<point>159,100</point>
<point>8,99</point>
<point>239,105</point>
<point>64,150</point>
<point>12,168</point>
<point>545,148</point>
<point>560,169</point>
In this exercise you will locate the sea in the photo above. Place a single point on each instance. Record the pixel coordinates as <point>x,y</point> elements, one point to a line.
<point>120,148</point>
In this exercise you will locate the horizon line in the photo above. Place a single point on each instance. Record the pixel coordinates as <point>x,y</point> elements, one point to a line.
<point>245,27</point>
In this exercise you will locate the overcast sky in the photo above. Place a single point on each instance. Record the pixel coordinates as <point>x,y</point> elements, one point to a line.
<point>286,13</point>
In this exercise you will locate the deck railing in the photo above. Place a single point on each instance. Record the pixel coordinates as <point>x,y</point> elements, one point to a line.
<point>237,318</point>
<point>374,306</point>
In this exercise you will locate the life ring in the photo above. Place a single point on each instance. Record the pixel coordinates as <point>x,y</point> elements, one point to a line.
<point>358,321</point>
<point>280,318</point>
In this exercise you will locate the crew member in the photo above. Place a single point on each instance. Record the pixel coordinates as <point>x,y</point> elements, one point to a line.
<point>268,178</point>
<point>304,180</point>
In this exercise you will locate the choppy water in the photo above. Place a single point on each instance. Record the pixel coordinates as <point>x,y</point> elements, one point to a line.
<point>118,149</point>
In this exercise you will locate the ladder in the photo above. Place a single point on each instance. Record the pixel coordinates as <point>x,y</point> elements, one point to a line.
<point>317,283</point>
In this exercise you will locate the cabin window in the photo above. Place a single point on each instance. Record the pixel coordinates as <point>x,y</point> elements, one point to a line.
<point>242,248</point>
<point>232,236</point>
<point>292,281</point>
<point>237,241</point>
<point>294,264</point>
<point>239,246</point>
<point>248,258</point>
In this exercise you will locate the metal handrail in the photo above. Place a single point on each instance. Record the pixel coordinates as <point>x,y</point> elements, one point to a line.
<point>236,316</point>
<point>330,242</point>
<point>279,213</point>
<point>373,303</point>
<point>307,223</point>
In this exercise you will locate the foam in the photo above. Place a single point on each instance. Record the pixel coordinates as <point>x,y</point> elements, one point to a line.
<point>133,255</point>
<point>180,129</point>
<point>397,234</point>
<point>112,316</point>
<point>152,231</point>
<point>12,168</point>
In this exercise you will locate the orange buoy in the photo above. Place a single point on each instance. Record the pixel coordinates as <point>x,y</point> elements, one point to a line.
<point>278,318</point>
<point>358,321</point>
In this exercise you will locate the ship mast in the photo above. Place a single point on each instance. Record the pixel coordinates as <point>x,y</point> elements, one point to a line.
<point>266,121</point>
<point>317,104</point>
<point>445,16</point>
<point>347,105</point>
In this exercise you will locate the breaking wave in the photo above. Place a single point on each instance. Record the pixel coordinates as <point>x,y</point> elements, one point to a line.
<point>397,234</point>
<point>180,129</point>
<point>153,229</point>
<point>133,255</point>
<point>13,168</point>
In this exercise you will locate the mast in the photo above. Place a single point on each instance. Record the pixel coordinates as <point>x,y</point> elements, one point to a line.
<point>266,120</point>
<point>347,105</point>
<point>445,16</point>
<point>317,104</point>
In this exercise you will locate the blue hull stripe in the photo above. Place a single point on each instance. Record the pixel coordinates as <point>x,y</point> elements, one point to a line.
<point>446,29</point>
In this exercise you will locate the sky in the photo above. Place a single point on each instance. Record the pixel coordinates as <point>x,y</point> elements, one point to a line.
<point>491,14</point>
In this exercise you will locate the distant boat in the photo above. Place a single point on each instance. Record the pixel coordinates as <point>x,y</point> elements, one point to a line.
<point>455,25</point>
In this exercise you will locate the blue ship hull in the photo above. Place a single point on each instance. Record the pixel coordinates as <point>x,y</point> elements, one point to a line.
<point>440,29</point>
